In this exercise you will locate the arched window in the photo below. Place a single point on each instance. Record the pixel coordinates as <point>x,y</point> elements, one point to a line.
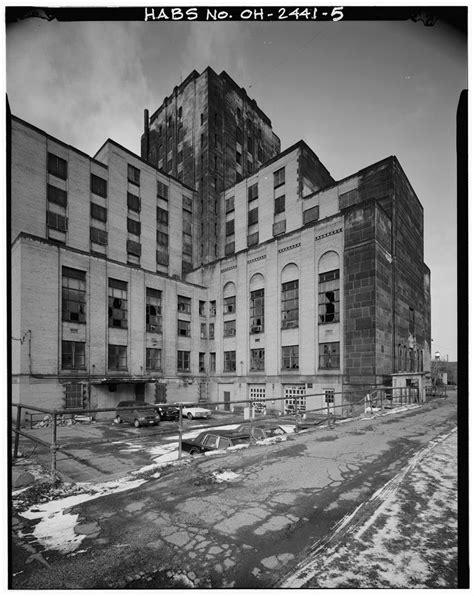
<point>257,303</point>
<point>289,297</point>
<point>328,289</point>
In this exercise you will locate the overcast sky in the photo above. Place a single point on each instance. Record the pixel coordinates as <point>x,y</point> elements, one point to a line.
<point>356,92</point>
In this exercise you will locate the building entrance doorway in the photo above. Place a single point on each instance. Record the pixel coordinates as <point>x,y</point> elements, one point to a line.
<point>227,401</point>
<point>140,391</point>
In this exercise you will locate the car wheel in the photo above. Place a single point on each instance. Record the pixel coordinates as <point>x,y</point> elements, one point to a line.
<point>193,452</point>
<point>190,416</point>
<point>118,420</point>
<point>136,423</point>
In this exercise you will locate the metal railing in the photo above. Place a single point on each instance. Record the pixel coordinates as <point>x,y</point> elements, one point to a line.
<point>258,410</point>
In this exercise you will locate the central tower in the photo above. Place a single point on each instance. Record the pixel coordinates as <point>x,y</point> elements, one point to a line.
<point>208,134</point>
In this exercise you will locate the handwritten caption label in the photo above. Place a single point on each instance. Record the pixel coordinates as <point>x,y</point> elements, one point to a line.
<point>282,13</point>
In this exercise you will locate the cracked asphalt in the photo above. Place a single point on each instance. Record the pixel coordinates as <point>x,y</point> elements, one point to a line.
<point>186,529</point>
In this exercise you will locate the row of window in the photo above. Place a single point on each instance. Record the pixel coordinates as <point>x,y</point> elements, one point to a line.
<point>74,304</point>
<point>73,358</point>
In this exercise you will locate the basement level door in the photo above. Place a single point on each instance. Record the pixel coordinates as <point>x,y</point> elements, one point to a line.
<point>227,400</point>
<point>140,391</point>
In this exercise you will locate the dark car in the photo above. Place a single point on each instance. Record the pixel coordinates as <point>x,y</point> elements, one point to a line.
<point>264,429</point>
<point>212,440</point>
<point>138,413</point>
<point>167,411</point>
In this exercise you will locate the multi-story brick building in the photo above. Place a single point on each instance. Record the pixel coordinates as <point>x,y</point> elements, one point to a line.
<point>319,289</point>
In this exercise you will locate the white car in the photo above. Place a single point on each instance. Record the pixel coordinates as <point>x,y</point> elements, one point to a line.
<point>192,411</point>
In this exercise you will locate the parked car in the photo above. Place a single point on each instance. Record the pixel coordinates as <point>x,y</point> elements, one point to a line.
<point>167,411</point>
<point>192,411</point>
<point>263,430</point>
<point>136,413</point>
<point>212,440</point>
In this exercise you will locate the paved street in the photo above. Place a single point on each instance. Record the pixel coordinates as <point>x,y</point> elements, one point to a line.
<point>263,517</point>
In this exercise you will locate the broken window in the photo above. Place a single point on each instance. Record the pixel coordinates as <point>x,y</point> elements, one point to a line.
<point>229,305</point>
<point>73,295</point>
<point>184,304</point>
<point>290,357</point>
<point>229,328</point>
<point>290,305</point>
<point>257,359</point>
<point>329,356</point>
<point>329,297</point>
<point>118,304</point>
<point>153,311</point>
<point>257,306</point>
<point>202,366</point>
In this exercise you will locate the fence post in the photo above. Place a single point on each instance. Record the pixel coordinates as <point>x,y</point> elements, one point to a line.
<point>17,434</point>
<point>180,440</point>
<point>53,447</point>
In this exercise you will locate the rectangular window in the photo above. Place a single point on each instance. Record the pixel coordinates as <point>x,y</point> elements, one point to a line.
<point>134,248</point>
<point>73,356</point>
<point>290,357</point>
<point>98,186</point>
<point>133,227</point>
<point>187,245</point>
<point>153,359</point>
<point>229,204</point>
<point>161,238</point>
<point>74,394</point>
<point>162,190</point>
<point>133,202</point>
<point>117,357</point>
<point>184,304</point>
<point>162,216</point>
<point>229,361</point>
<point>229,227</point>
<point>57,166</point>
<point>212,362</point>
<point>229,305</point>
<point>203,331</point>
<point>183,361</point>
<point>257,307</point>
<point>229,248</point>
<point>202,366</point>
<point>253,216</point>
<point>57,195</point>
<point>311,215</point>
<point>229,328</point>
<point>98,212</point>
<point>133,175</point>
<point>329,396</point>
<point>73,295</point>
<point>202,308</point>
<point>290,305</point>
<point>257,359</point>
<point>212,308</point>
<point>279,228</point>
<point>118,304</point>
<point>253,192</point>
<point>329,297</point>
<point>98,236</point>
<point>279,177</point>
<point>56,221</point>
<point>280,204</point>
<point>153,311</point>
<point>252,239</point>
<point>187,204</point>
<point>250,145</point>
<point>162,257</point>
<point>211,330</point>
<point>184,328</point>
<point>329,355</point>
